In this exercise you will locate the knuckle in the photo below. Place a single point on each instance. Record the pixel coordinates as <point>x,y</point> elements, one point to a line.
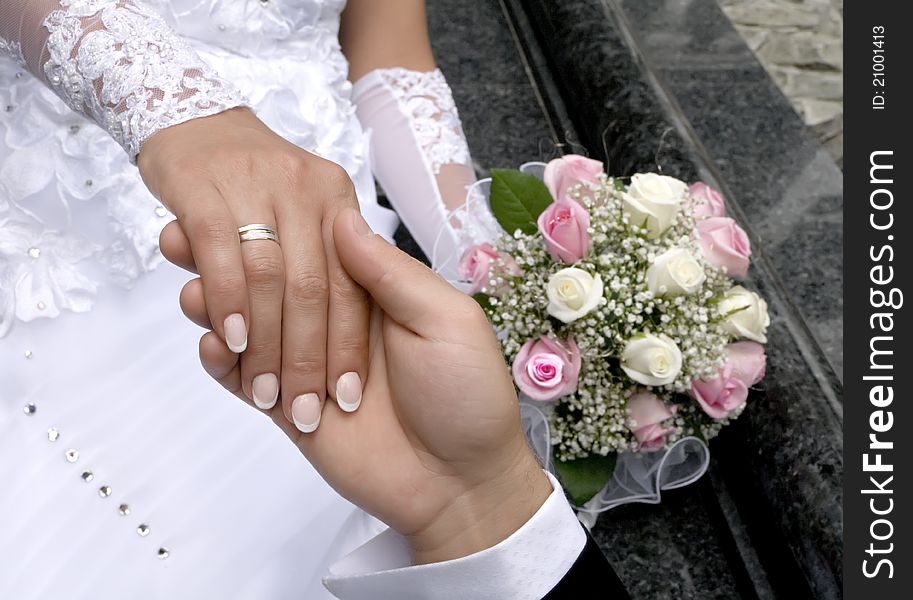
<point>344,289</point>
<point>306,290</point>
<point>302,363</point>
<point>215,230</point>
<point>245,164</point>
<point>350,345</point>
<point>293,164</point>
<point>261,351</point>
<point>265,271</point>
<point>224,286</point>
<point>337,181</point>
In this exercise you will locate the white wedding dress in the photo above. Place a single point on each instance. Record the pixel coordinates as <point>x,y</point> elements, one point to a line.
<point>125,472</point>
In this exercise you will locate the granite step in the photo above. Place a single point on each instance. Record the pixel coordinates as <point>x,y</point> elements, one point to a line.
<point>639,90</point>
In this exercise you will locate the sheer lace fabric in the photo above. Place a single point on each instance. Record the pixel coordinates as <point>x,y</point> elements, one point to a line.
<point>117,63</point>
<point>422,161</point>
<point>68,190</point>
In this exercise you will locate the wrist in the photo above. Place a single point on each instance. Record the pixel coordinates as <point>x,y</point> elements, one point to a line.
<point>169,144</point>
<point>486,514</point>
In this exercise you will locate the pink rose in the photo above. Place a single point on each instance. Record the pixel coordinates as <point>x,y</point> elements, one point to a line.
<point>564,226</point>
<point>481,263</point>
<point>567,171</point>
<point>725,244</point>
<point>646,415</point>
<point>707,201</point>
<point>719,396</point>
<point>748,361</point>
<point>546,369</point>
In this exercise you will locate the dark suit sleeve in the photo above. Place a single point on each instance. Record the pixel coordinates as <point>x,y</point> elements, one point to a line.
<point>590,577</point>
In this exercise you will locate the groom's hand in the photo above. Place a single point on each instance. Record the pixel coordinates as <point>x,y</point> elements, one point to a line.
<point>436,450</point>
<point>452,398</point>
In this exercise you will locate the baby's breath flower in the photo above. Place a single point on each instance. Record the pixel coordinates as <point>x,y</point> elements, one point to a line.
<point>593,420</point>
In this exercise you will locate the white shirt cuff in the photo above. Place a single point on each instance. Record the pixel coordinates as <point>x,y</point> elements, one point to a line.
<point>527,565</point>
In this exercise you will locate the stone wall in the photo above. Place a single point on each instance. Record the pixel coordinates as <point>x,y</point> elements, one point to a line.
<point>800,43</point>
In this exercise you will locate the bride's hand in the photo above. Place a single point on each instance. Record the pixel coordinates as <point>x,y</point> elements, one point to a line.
<point>295,317</point>
<point>436,450</point>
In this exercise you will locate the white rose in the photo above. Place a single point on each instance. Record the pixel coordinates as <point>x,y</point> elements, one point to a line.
<point>675,272</point>
<point>651,359</point>
<point>746,314</point>
<point>573,293</point>
<point>653,201</point>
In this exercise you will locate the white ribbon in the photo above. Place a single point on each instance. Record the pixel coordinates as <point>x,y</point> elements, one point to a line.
<point>638,477</point>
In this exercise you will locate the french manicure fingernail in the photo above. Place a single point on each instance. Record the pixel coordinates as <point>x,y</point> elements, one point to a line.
<point>361,226</point>
<point>265,390</point>
<point>348,392</point>
<point>306,412</point>
<point>236,333</point>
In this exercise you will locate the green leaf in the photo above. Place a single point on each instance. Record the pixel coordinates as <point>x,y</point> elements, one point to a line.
<point>730,313</point>
<point>619,184</point>
<point>517,200</point>
<point>583,477</point>
<point>483,300</point>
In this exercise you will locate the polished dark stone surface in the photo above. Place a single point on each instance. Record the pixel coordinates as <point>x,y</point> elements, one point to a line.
<point>640,91</point>
<point>789,188</point>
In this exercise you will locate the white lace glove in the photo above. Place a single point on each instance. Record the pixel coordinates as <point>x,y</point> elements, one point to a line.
<point>422,161</point>
<point>116,62</point>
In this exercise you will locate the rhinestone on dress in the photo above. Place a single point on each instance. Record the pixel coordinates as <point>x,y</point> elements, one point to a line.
<point>34,252</point>
<point>123,510</point>
<point>143,530</point>
<point>87,476</point>
<point>160,211</point>
<point>29,409</point>
<point>28,354</point>
<point>104,491</point>
<point>163,553</point>
<point>74,128</point>
<point>89,183</point>
<point>53,434</point>
<point>41,305</point>
<point>72,455</point>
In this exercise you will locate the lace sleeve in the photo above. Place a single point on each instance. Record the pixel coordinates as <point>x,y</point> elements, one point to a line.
<point>116,62</point>
<point>421,159</point>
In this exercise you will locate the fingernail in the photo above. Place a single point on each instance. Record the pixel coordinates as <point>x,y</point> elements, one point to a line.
<point>306,412</point>
<point>236,333</point>
<point>265,388</point>
<point>361,226</point>
<point>348,392</point>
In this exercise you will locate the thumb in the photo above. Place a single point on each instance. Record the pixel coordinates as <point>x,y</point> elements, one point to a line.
<point>408,291</point>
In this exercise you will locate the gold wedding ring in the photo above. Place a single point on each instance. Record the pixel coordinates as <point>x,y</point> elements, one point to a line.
<point>258,231</point>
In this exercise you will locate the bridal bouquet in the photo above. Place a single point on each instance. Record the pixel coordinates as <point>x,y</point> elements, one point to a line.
<point>616,307</point>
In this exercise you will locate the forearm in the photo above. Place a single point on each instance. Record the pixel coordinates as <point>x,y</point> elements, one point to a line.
<point>116,62</point>
<point>419,151</point>
<point>383,34</point>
